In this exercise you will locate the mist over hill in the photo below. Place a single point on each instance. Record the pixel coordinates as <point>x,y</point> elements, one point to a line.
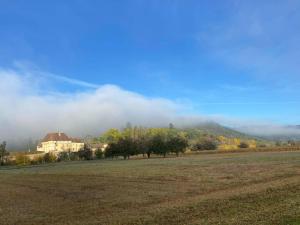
<point>273,132</point>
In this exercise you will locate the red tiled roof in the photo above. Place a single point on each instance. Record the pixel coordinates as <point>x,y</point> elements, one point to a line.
<point>76,140</point>
<point>56,137</point>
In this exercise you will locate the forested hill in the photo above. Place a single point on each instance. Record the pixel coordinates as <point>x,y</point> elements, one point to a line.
<point>215,129</point>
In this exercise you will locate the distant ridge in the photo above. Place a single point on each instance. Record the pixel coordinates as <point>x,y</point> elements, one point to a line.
<point>216,129</point>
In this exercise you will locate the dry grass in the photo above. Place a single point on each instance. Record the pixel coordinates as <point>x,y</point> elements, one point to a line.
<point>232,188</point>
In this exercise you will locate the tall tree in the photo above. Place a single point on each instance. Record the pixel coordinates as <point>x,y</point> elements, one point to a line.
<point>111,136</point>
<point>158,145</point>
<point>86,153</point>
<point>124,147</point>
<point>3,153</point>
<point>171,126</point>
<point>177,144</point>
<point>128,147</point>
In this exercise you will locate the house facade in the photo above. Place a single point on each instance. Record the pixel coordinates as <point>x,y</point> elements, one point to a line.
<point>59,142</point>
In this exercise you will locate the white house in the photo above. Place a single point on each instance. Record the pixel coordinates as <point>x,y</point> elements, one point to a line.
<point>59,142</point>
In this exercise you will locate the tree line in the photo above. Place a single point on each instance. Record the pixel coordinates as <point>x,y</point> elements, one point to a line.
<point>128,142</point>
<point>145,141</point>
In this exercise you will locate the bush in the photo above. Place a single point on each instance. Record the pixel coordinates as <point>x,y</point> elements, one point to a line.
<point>197,147</point>
<point>63,156</point>
<point>85,154</point>
<point>49,157</point>
<point>291,143</point>
<point>37,160</point>
<point>99,154</point>
<point>206,144</point>
<point>262,146</point>
<point>22,159</point>
<point>244,145</point>
<point>10,162</point>
<point>74,156</point>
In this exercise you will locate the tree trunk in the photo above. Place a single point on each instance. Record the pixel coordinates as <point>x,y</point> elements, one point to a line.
<point>148,155</point>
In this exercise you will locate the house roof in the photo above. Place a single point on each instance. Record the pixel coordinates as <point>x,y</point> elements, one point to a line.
<point>60,137</point>
<point>76,140</point>
<point>56,137</point>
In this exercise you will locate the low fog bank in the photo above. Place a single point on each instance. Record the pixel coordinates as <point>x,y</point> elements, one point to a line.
<point>31,108</point>
<point>272,131</point>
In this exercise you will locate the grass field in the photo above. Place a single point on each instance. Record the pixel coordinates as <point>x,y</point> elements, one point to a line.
<point>233,188</point>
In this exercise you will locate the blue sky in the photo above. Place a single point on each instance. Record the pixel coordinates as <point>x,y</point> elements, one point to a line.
<point>237,59</point>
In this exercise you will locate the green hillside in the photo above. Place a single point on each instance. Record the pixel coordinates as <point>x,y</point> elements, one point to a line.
<point>215,130</point>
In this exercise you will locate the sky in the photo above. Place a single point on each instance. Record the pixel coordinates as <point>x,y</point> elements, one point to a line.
<point>102,63</point>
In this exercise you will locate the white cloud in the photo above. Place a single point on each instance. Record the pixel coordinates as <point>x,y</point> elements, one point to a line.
<point>28,110</point>
<point>25,112</point>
